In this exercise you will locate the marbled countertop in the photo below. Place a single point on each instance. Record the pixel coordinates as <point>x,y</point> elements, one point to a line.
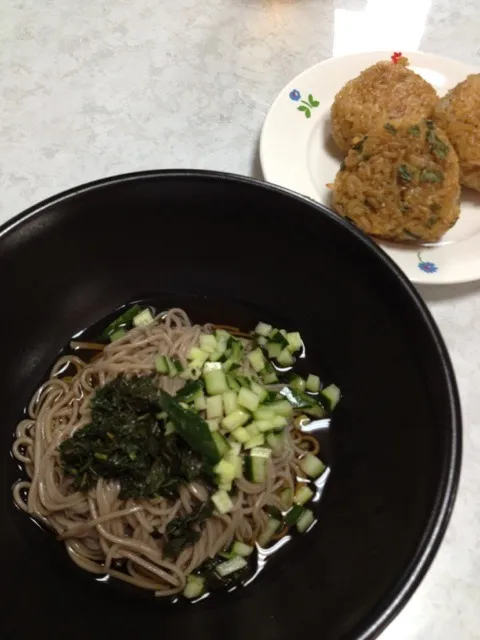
<point>96,88</point>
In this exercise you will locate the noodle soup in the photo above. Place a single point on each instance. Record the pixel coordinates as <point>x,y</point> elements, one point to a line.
<point>172,456</point>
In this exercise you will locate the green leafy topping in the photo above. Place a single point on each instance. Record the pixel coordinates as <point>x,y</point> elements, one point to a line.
<point>126,441</point>
<point>124,321</point>
<point>432,221</point>
<point>414,130</point>
<point>404,173</point>
<point>433,176</point>
<point>390,128</point>
<point>342,165</point>
<point>430,124</point>
<point>183,532</point>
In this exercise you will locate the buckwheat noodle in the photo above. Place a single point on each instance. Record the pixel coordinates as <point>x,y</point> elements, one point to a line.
<point>102,533</point>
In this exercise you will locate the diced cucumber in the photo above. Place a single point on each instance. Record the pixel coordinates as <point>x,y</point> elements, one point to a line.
<point>285,359</point>
<point>266,425</point>
<point>305,521</point>
<point>257,360</point>
<point>273,525</point>
<point>312,466</point>
<point>243,381</point>
<point>278,337</point>
<point>235,447</point>
<point>287,497</point>
<point>215,382</point>
<point>303,494</point>
<point>208,343</point>
<point>214,406</point>
<point>263,329</point>
<point>295,342</point>
<point>161,365</point>
<point>242,549</point>
<point>221,443</point>
<point>264,413</point>
<point>261,341</point>
<point>331,395</point>
<point>259,391</point>
<point>256,468</point>
<point>216,355</point>
<point>274,349</point>
<point>248,399</point>
<point>297,382</point>
<point>117,335</point>
<point>194,587</point>
<point>261,452</point>
<point>172,368</point>
<point>282,408</point>
<point>199,403</point>
<point>236,461</point>
<point>294,515</point>
<point>143,319</point>
<point>198,356</point>
<point>222,335</point>
<point>208,367</point>
<point>313,383</point>
<point>269,378</point>
<point>225,470</point>
<point>231,566</point>
<point>232,382</point>
<point>236,419</point>
<point>237,351</point>
<point>276,441</point>
<point>241,435</point>
<point>213,424</point>
<point>252,429</point>
<point>169,428</point>
<point>229,402</point>
<point>256,441</point>
<point>222,501</point>
<point>279,422</point>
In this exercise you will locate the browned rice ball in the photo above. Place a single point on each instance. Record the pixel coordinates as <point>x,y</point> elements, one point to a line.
<point>385,92</point>
<point>458,114</point>
<point>400,183</point>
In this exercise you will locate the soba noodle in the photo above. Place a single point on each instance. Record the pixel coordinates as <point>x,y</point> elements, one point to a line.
<point>102,533</point>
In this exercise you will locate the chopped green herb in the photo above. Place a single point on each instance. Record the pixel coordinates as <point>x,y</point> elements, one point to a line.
<point>414,130</point>
<point>359,145</point>
<point>432,221</point>
<point>404,208</point>
<point>427,175</point>
<point>390,128</point>
<point>366,157</point>
<point>437,146</point>
<point>411,235</point>
<point>404,173</point>
<point>430,124</point>
<point>342,165</point>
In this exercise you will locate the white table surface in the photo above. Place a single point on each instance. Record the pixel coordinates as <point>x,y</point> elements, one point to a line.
<point>91,88</point>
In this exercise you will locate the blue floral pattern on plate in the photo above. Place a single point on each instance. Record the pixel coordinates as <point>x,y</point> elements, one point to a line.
<point>427,267</point>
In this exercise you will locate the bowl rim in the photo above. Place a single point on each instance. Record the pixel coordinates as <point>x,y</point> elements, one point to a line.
<point>396,598</point>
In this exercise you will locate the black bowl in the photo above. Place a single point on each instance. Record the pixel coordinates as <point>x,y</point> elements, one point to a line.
<point>223,244</point>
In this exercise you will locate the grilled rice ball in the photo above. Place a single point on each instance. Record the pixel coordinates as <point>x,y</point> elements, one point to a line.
<point>385,92</point>
<point>400,183</point>
<point>458,114</point>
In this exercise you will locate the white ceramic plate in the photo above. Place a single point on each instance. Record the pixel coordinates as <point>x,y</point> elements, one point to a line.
<point>297,151</point>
